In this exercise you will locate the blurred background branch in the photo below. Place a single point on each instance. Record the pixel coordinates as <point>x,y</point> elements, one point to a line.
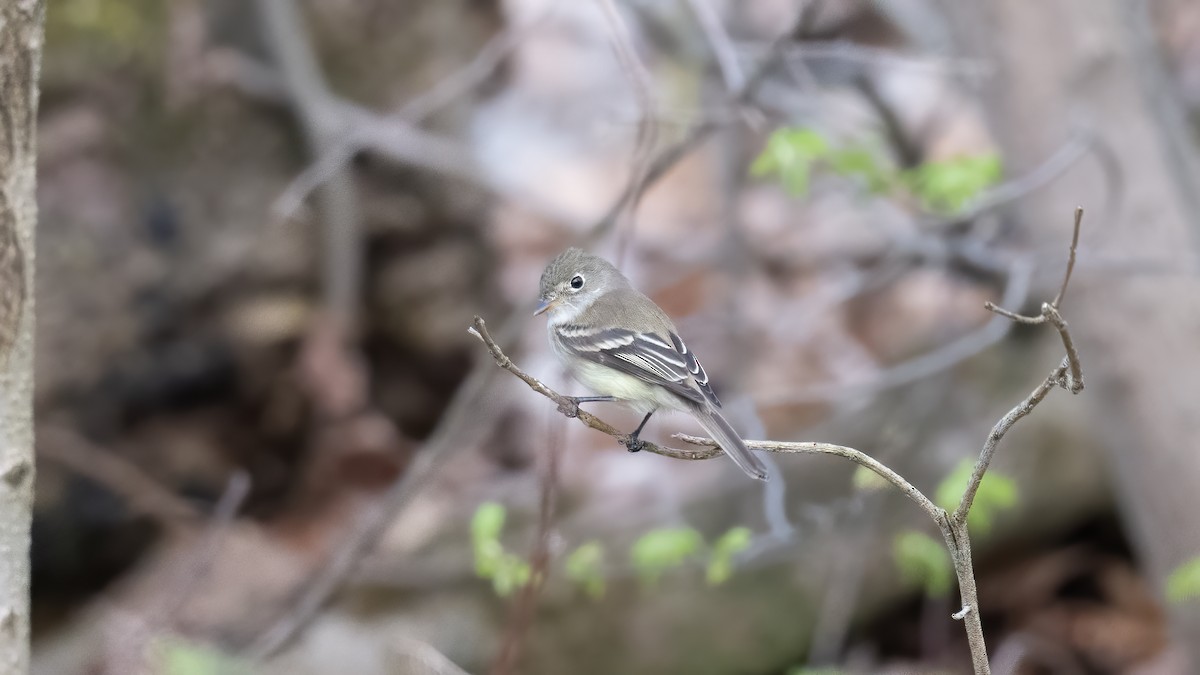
<point>263,227</point>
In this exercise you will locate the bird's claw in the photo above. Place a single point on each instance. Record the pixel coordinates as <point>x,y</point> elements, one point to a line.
<point>570,408</point>
<point>634,444</point>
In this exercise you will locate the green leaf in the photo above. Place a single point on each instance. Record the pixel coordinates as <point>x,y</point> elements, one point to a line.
<point>488,521</point>
<point>659,550</point>
<point>996,493</point>
<point>123,29</point>
<point>923,560</point>
<point>585,566</point>
<point>719,571</point>
<point>506,571</point>
<point>486,526</point>
<point>790,154</point>
<point>1183,583</point>
<point>806,142</point>
<point>489,556</point>
<point>734,541</point>
<point>510,574</point>
<point>720,565</point>
<point>860,163</point>
<point>185,658</point>
<point>947,186</point>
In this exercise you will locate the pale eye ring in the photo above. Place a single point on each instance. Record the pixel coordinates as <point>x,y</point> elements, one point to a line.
<point>577,282</point>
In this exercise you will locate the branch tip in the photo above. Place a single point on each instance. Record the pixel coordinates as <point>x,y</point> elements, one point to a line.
<point>1062,291</point>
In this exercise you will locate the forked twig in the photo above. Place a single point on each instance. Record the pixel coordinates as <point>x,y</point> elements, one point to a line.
<point>1072,378</point>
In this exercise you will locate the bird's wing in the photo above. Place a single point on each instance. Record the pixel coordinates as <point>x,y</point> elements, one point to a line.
<point>657,359</point>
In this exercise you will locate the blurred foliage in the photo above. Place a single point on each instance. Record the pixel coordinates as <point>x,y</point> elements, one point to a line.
<point>861,164</point>
<point>110,31</point>
<point>506,571</point>
<point>488,521</point>
<point>923,560</point>
<point>660,550</point>
<point>792,154</point>
<point>720,564</point>
<point>806,670</point>
<point>946,187</point>
<point>1183,583</point>
<point>185,658</point>
<point>585,566</point>
<point>653,554</point>
<point>996,493</point>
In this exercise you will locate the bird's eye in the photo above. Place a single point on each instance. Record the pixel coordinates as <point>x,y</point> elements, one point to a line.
<point>577,282</point>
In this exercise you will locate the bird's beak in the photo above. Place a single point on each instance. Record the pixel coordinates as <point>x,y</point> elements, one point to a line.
<point>544,305</point>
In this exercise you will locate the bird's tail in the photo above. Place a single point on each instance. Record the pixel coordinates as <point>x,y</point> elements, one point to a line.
<point>730,442</point>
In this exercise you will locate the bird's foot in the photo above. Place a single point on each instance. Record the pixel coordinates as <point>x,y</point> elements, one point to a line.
<point>571,407</point>
<point>633,444</point>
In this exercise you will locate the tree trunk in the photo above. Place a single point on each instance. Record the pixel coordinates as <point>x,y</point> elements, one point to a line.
<point>20,58</point>
<point>1058,63</point>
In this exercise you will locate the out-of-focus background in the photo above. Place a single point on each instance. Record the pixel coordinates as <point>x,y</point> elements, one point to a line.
<point>267,442</point>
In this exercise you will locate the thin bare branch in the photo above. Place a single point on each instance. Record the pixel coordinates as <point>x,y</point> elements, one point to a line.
<point>309,95</point>
<point>1073,382</point>
<point>539,559</point>
<point>710,448</point>
<point>462,81</point>
<point>850,52</point>
<point>1017,318</point>
<point>141,492</point>
<point>370,136</point>
<point>669,156</point>
<point>647,130</point>
<point>566,404</point>
<point>1068,374</point>
<point>188,577</point>
<point>1072,378</point>
<point>722,46</point>
<point>814,448</point>
<point>958,542</point>
<point>1062,291</point>
<point>1001,428</point>
<point>1020,274</point>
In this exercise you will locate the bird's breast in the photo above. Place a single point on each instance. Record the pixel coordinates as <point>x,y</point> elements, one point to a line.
<point>634,392</point>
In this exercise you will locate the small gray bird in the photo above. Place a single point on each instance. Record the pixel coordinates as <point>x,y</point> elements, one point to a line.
<point>618,343</point>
